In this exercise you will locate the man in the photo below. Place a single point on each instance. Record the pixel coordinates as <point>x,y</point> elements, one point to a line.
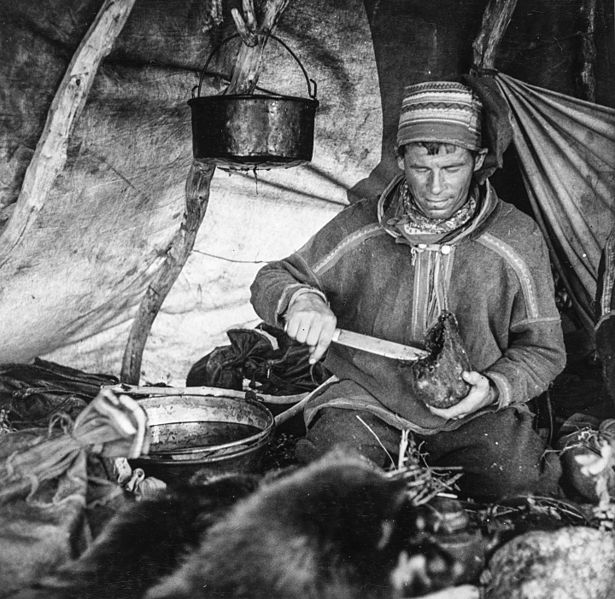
<point>434,240</point>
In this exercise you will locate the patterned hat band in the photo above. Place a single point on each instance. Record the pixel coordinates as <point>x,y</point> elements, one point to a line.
<point>440,111</point>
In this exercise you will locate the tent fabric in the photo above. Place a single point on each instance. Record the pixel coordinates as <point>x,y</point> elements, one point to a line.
<point>71,288</point>
<point>566,150</point>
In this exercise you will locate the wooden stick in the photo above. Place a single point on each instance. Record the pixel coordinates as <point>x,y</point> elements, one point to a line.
<point>248,62</point>
<point>149,391</point>
<point>587,78</point>
<point>299,406</point>
<point>247,27</point>
<point>250,15</point>
<point>282,417</point>
<point>197,199</point>
<point>50,154</point>
<point>496,18</point>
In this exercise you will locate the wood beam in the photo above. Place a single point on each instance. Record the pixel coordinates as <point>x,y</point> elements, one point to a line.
<point>587,77</point>
<point>50,155</point>
<point>495,21</point>
<point>197,198</point>
<point>248,62</point>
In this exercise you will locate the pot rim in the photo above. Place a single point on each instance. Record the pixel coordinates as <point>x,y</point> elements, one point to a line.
<point>230,98</point>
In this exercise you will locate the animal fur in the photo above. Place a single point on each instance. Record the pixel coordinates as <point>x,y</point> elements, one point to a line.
<point>338,528</point>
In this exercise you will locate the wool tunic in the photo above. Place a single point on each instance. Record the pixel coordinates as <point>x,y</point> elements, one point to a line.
<point>493,274</point>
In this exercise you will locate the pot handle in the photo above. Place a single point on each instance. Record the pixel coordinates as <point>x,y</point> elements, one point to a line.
<point>311,84</point>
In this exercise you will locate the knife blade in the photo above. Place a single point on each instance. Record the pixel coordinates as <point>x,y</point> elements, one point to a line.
<point>373,345</point>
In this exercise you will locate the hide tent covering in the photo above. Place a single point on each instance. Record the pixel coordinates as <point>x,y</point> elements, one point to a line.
<point>77,277</point>
<point>71,286</point>
<point>566,150</point>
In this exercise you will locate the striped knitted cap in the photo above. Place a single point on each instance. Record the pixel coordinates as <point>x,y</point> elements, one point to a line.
<point>440,111</point>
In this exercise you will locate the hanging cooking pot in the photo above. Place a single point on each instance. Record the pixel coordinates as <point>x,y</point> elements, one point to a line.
<point>250,131</point>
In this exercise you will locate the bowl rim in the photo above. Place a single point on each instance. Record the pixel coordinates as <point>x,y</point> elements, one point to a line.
<point>248,442</point>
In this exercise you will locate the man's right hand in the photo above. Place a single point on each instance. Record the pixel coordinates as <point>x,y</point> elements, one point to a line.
<point>309,320</point>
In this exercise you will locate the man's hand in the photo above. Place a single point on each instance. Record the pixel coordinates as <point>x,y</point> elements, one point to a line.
<point>309,320</point>
<point>481,394</point>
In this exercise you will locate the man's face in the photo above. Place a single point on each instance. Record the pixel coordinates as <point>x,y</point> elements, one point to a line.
<point>440,182</point>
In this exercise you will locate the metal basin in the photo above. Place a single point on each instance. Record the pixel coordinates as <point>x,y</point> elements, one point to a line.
<point>192,432</point>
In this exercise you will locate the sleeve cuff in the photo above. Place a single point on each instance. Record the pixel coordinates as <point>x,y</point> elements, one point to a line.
<point>503,387</point>
<point>291,293</point>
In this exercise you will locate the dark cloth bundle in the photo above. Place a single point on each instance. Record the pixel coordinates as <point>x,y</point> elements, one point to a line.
<point>31,394</point>
<point>269,359</point>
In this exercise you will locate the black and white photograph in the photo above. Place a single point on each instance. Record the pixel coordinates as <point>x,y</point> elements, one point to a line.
<point>307,299</point>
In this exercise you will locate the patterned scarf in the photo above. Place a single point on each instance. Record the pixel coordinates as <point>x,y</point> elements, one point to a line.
<point>418,228</point>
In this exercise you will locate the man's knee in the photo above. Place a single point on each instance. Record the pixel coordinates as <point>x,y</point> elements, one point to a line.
<point>306,451</point>
<point>501,478</point>
<point>502,455</point>
<point>538,475</point>
<point>346,430</point>
<point>535,474</point>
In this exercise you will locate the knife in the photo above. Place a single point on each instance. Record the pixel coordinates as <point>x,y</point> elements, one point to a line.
<point>373,345</point>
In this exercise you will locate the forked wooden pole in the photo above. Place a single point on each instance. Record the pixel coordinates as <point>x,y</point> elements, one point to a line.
<point>496,18</point>
<point>244,79</point>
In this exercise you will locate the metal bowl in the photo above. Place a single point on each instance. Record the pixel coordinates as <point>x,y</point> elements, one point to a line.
<point>192,432</point>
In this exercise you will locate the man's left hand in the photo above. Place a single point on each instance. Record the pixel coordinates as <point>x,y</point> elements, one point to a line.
<point>481,394</point>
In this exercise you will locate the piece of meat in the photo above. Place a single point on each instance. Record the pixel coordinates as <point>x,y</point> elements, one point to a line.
<point>436,380</point>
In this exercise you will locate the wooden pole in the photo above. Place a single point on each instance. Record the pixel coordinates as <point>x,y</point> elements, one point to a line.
<point>50,155</point>
<point>248,63</point>
<point>243,81</point>
<point>495,21</point>
<point>587,77</point>
<point>197,198</point>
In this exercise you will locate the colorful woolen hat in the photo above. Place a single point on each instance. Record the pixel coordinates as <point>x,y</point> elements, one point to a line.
<point>440,111</point>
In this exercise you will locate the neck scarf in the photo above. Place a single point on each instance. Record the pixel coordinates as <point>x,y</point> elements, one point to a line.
<point>418,228</point>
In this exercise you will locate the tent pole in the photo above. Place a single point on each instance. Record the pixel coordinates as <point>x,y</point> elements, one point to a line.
<point>495,21</point>
<point>50,155</point>
<point>587,77</point>
<point>244,78</point>
<point>197,199</point>
<point>248,62</point>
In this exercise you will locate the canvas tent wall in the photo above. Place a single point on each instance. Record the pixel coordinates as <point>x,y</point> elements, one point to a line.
<point>71,288</point>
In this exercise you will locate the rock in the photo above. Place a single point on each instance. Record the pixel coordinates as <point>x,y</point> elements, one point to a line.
<point>569,563</point>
